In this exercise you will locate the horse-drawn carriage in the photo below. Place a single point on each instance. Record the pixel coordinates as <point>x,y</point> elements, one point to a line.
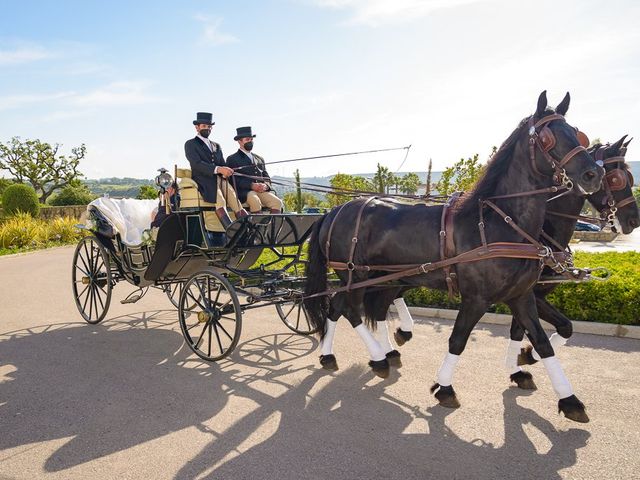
<point>201,278</point>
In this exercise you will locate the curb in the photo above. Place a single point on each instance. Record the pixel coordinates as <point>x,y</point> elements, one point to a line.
<point>30,252</point>
<point>590,328</point>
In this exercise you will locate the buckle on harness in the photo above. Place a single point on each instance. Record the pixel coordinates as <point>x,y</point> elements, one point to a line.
<point>508,219</point>
<point>443,233</point>
<point>354,240</point>
<point>545,252</point>
<point>351,266</point>
<point>423,267</point>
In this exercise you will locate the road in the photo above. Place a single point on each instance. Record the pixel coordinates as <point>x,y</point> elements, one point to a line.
<point>125,399</point>
<point>622,243</point>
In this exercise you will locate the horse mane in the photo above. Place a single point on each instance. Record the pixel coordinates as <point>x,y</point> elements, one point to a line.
<point>496,169</point>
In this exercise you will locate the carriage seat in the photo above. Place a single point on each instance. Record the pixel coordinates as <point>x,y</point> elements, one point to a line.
<point>190,197</point>
<point>128,216</point>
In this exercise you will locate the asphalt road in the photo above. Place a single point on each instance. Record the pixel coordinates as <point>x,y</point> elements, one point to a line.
<point>125,399</point>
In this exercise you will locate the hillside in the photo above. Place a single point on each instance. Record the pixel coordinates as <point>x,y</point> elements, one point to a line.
<point>129,187</point>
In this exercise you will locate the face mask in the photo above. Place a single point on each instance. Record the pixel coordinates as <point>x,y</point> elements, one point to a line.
<point>248,146</point>
<point>205,132</point>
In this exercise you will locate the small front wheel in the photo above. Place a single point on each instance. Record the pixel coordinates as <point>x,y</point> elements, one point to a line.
<point>91,279</point>
<point>209,315</point>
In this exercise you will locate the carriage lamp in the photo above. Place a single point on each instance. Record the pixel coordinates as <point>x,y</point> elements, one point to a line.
<point>164,179</point>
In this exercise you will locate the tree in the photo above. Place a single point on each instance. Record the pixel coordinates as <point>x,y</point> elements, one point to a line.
<point>40,164</point>
<point>461,176</point>
<point>76,193</point>
<point>383,179</point>
<point>147,192</point>
<point>343,181</point>
<point>409,184</point>
<point>299,203</point>
<point>290,200</point>
<point>636,193</point>
<point>428,182</point>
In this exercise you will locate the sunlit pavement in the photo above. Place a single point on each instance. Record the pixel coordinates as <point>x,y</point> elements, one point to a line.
<point>622,243</point>
<point>126,399</point>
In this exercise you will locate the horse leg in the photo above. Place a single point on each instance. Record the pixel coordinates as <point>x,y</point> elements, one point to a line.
<point>564,330</point>
<point>336,307</point>
<point>469,314</point>
<point>378,360</point>
<point>524,309</point>
<point>521,378</point>
<point>405,331</point>
<point>382,335</point>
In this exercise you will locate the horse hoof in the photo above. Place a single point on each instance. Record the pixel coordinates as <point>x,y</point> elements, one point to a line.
<point>401,337</point>
<point>523,380</point>
<point>573,409</point>
<point>329,362</point>
<point>525,357</point>
<point>393,357</point>
<point>380,367</point>
<point>446,396</point>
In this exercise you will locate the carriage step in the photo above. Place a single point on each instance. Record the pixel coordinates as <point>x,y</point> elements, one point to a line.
<point>130,299</point>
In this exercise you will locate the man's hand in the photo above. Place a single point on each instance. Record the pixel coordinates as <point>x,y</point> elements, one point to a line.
<point>226,172</point>
<point>258,187</point>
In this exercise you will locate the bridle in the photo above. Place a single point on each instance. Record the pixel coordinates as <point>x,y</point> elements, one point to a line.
<point>540,135</point>
<point>614,181</point>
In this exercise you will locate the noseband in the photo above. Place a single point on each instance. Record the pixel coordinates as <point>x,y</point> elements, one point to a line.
<point>541,135</point>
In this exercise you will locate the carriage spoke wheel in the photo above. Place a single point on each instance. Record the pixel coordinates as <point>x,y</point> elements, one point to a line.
<point>210,316</point>
<point>173,291</point>
<point>91,279</point>
<point>294,315</point>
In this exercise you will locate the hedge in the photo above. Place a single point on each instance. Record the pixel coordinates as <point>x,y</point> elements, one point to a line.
<point>20,198</point>
<point>615,301</point>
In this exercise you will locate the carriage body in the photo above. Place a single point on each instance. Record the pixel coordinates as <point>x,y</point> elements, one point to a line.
<point>210,285</point>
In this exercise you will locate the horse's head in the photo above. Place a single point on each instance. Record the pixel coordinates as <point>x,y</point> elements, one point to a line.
<point>615,198</point>
<point>560,149</point>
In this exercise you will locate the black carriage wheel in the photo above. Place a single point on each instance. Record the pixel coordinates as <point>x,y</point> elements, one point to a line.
<point>91,279</point>
<point>294,315</point>
<point>212,326</point>
<point>173,291</point>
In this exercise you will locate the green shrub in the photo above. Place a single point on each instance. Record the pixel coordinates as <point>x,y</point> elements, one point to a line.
<point>72,195</point>
<point>4,183</point>
<point>20,198</point>
<point>615,301</point>
<point>22,231</point>
<point>147,192</point>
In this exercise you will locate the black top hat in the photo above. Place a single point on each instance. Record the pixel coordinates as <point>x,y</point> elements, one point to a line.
<point>205,118</point>
<point>242,132</point>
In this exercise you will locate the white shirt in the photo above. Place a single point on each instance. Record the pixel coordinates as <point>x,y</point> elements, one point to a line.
<point>248,154</point>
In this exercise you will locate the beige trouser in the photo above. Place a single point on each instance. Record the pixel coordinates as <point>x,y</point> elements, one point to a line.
<point>226,196</point>
<point>256,200</point>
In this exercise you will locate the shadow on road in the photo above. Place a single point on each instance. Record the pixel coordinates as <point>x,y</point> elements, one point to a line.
<point>116,385</point>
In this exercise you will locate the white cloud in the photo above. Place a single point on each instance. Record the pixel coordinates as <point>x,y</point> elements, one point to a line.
<point>116,94</point>
<point>378,12</point>
<point>24,54</point>
<point>16,101</point>
<point>211,33</point>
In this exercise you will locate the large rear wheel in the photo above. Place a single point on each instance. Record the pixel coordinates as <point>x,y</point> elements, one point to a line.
<point>91,279</point>
<point>210,316</point>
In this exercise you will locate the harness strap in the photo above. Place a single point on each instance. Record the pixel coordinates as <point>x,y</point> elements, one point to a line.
<point>447,245</point>
<point>354,240</point>
<point>333,222</point>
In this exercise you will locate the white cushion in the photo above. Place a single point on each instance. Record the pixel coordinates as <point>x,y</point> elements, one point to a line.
<point>128,216</point>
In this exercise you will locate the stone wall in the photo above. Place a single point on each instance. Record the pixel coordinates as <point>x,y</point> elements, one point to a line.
<point>67,211</point>
<point>604,236</point>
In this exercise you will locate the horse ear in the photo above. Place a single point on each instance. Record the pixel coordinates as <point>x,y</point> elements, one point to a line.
<point>563,106</point>
<point>616,146</point>
<point>626,144</point>
<point>542,104</point>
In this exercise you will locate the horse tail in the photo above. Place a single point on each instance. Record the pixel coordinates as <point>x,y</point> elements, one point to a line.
<point>317,307</point>
<point>376,305</point>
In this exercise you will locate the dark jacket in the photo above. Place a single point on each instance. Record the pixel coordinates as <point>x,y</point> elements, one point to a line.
<point>203,161</point>
<point>243,162</point>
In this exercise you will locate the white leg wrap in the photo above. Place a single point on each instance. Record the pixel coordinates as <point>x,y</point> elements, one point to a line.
<point>326,345</point>
<point>559,380</point>
<point>383,336</point>
<point>406,320</point>
<point>375,350</point>
<point>445,374</point>
<point>511,359</point>
<point>556,341</point>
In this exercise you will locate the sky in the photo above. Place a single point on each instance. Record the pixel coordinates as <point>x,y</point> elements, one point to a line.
<point>451,78</point>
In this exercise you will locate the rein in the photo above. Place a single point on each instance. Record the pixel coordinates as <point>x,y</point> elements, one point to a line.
<point>534,250</point>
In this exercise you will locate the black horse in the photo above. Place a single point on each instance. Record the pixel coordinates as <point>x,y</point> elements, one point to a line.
<point>542,147</point>
<point>614,199</point>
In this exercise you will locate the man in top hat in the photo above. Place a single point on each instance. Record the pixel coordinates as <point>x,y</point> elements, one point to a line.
<point>209,170</point>
<point>255,191</point>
